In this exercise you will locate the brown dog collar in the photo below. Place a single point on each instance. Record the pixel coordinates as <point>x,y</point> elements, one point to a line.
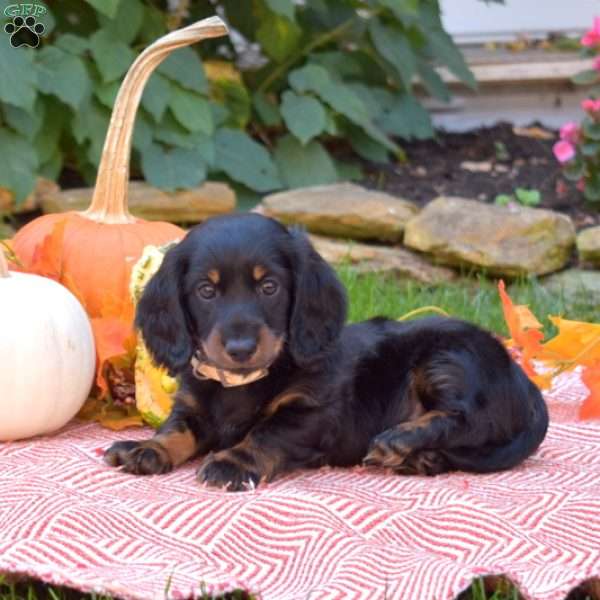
<point>204,371</point>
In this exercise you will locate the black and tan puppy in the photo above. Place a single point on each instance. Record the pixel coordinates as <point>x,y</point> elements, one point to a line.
<point>252,320</point>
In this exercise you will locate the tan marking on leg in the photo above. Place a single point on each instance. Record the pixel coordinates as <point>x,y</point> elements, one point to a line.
<point>214,276</point>
<point>258,272</point>
<point>289,397</point>
<point>180,446</point>
<point>423,421</point>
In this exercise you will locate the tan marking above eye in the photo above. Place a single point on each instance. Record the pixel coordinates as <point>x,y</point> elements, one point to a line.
<point>214,276</point>
<point>258,272</point>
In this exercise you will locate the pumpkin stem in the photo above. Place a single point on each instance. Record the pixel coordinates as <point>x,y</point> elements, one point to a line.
<point>3,265</point>
<point>109,203</point>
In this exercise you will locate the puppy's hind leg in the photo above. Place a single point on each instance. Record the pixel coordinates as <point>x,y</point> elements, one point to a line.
<point>440,388</point>
<point>415,446</point>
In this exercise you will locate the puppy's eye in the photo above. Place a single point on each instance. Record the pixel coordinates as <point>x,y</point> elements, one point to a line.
<point>207,291</point>
<point>268,287</point>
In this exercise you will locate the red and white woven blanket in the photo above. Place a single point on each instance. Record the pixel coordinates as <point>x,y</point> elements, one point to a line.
<point>68,519</point>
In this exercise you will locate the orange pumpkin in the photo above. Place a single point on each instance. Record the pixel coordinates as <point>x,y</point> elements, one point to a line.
<point>95,250</point>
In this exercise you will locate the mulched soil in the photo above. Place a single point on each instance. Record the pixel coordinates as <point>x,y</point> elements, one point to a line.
<point>434,169</point>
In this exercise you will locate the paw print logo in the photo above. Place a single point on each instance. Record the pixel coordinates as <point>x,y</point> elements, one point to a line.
<point>24,32</point>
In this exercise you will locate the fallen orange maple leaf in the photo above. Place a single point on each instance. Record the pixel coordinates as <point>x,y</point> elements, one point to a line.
<point>590,409</point>
<point>576,344</point>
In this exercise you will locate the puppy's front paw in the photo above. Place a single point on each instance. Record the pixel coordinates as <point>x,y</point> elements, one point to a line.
<point>221,470</point>
<point>139,458</point>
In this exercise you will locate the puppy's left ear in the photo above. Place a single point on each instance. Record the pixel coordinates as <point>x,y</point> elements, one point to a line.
<point>319,303</point>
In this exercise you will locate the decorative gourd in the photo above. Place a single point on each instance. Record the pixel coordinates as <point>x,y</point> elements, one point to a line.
<point>100,245</point>
<point>153,385</point>
<point>47,355</point>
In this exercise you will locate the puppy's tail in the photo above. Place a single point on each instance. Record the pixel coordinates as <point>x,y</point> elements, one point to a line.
<point>499,458</point>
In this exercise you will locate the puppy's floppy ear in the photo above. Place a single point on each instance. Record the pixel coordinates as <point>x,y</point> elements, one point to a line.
<point>319,304</point>
<point>161,317</point>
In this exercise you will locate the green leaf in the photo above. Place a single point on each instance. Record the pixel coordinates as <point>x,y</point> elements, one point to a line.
<point>173,169</point>
<point>91,123</point>
<point>304,165</point>
<point>192,111</point>
<point>304,115</point>
<point>267,110</point>
<point>63,75</point>
<point>528,197</point>
<point>18,166</point>
<point>127,21</point>
<point>394,46</point>
<point>47,141</point>
<point>405,10</point>
<point>348,171</point>
<point>107,93</point>
<point>444,49</point>
<point>142,131</point>
<point>314,78</point>
<point>590,148</point>
<point>106,7</point>
<point>18,76</point>
<point>366,147</point>
<point>69,42</point>
<point>234,96</point>
<point>503,199</point>
<point>183,66</point>
<point>25,123</point>
<point>52,167</point>
<point>285,8</point>
<point>246,161</point>
<point>587,77</point>
<point>591,129</point>
<point>405,117</point>
<point>112,56</point>
<point>433,83</point>
<point>278,36</point>
<point>574,170</point>
<point>591,190</point>
<point>157,95</point>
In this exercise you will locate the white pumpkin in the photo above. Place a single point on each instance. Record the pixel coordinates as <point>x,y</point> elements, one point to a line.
<point>47,355</point>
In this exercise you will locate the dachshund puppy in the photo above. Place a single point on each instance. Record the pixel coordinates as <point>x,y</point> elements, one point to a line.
<point>252,321</point>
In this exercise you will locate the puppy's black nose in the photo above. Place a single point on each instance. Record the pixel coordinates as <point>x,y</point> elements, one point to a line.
<point>241,350</point>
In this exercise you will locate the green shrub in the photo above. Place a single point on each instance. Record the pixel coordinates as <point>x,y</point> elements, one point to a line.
<point>324,72</point>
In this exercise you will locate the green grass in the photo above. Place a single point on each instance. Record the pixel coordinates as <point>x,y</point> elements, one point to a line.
<point>370,295</point>
<point>473,299</point>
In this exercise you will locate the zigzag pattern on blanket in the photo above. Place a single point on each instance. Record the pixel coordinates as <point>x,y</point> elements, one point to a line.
<point>67,518</point>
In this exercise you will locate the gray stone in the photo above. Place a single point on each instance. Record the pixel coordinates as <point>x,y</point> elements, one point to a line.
<point>397,262</point>
<point>342,210</point>
<point>588,245</point>
<point>576,286</point>
<point>501,240</point>
<point>147,202</point>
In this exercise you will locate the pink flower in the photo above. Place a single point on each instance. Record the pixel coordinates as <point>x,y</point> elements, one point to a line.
<point>564,151</point>
<point>592,107</point>
<point>596,63</point>
<point>592,37</point>
<point>569,132</point>
<point>581,185</point>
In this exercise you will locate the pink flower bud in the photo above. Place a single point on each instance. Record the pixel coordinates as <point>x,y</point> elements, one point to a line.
<point>581,185</point>
<point>569,132</point>
<point>592,107</point>
<point>592,37</point>
<point>564,151</point>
